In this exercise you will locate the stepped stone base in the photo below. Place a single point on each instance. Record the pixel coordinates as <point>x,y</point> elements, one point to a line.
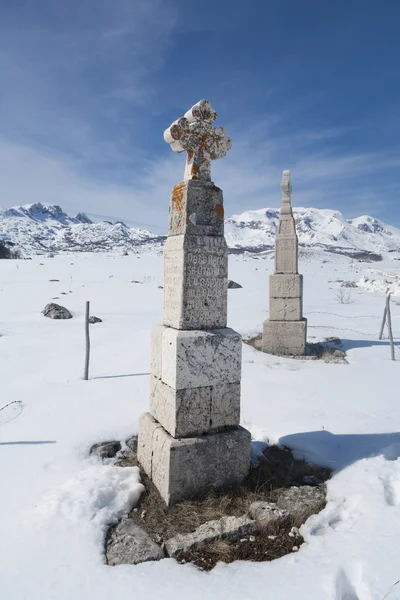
<point>185,468</point>
<point>194,411</point>
<point>284,337</point>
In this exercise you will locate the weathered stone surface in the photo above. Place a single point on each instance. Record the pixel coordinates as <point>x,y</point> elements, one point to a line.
<point>195,282</point>
<point>185,468</point>
<point>196,208</point>
<point>106,449</point>
<point>132,443</point>
<point>285,286</point>
<point>226,528</point>
<point>200,358</point>
<point>299,500</point>
<point>284,337</point>
<point>286,254</point>
<point>129,544</point>
<point>195,134</point>
<point>93,320</point>
<point>194,411</point>
<point>56,311</point>
<point>182,413</point>
<point>285,309</point>
<point>156,352</point>
<point>232,285</point>
<point>225,405</point>
<point>266,513</point>
<point>147,429</point>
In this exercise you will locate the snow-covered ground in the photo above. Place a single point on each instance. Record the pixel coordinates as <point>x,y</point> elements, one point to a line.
<point>56,503</point>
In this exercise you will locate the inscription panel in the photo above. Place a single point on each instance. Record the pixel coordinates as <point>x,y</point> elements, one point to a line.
<point>286,255</point>
<point>285,286</point>
<point>195,280</point>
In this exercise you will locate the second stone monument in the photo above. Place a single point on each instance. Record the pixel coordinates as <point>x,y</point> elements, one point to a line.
<point>191,439</point>
<point>285,331</point>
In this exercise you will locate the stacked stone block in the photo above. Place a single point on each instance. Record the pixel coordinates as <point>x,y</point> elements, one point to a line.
<point>285,331</point>
<point>191,439</point>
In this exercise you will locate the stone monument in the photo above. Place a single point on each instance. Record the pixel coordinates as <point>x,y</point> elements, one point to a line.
<point>285,332</point>
<point>191,439</point>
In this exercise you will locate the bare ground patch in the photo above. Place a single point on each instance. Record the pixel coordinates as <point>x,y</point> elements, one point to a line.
<point>277,470</point>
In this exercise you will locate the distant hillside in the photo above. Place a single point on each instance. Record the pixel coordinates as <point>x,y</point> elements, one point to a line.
<point>42,228</point>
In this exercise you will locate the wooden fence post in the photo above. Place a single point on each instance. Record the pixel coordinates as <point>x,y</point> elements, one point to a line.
<point>87,353</point>
<point>389,322</point>
<point>384,318</point>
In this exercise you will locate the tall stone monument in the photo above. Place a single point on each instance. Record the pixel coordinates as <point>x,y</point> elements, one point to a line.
<point>285,332</point>
<point>191,439</point>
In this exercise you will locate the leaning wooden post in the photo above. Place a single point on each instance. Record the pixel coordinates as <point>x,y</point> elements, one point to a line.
<point>389,322</point>
<point>87,353</point>
<point>384,318</point>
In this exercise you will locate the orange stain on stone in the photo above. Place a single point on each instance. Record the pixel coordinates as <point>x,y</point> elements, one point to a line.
<point>177,197</point>
<point>219,211</point>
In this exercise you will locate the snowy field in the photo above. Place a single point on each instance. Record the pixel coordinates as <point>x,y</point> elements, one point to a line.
<point>56,502</point>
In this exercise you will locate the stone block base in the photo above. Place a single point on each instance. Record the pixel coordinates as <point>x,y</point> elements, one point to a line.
<point>185,468</point>
<point>285,309</point>
<point>194,411</point>
<point>284,337</point>
<point>191,359</point>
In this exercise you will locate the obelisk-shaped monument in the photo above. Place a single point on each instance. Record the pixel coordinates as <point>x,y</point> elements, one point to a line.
<point>285,332</point>
<point>191,439</point>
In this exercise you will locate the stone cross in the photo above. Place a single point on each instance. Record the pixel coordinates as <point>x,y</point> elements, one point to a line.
<point>195,133</point>
<point>191,440</point>
<point>285,331</point>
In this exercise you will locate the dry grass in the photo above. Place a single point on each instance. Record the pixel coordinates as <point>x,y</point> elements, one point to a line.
<point>277,469</point>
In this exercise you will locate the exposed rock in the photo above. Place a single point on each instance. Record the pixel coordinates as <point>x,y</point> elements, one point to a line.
<point>232,285</point>
<point>56,311</point>
<point>93,320</point>
<point>132,443</point>
<point>226,528</point>
<point>52,280</point>
<point>105,449</point>
<point>348,284</point>
<point>267,512</point>
<point>337,356</point>
<point>333,340</point>
<point>129,544</point>
<point>298,501</point>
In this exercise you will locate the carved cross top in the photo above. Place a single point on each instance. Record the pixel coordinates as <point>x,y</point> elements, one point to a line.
<point>195,133</point>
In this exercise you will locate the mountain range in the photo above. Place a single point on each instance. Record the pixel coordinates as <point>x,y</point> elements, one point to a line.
<point>43,228</point>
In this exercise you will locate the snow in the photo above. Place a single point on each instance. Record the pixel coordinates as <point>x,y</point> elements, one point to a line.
<point>56,502</point>
<point>43,228</point>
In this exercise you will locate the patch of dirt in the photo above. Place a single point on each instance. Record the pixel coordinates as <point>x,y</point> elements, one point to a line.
<point>329,351</point>
<point>277,469</point>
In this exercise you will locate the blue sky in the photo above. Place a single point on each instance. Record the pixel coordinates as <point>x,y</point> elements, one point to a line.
<point>88,86</point>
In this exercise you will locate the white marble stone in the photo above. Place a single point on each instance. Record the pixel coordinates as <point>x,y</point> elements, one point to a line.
<point>225,405</point>
<point>284,337</point>
<point>156,355</point>
<point>147,428</point>
<point>285,309</point>
<point>196,208</point>
<point>184,468</point>
<point>195,411</point>
<point>285,286</point>
<point>286,254</point>
<point>182,413</point>
<point>195,133</point>
<point>195,282</point>
<point>200,358</point>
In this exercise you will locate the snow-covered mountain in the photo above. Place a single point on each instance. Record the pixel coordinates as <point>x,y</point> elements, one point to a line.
<point>41,228</point>
<point>327,229</point>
